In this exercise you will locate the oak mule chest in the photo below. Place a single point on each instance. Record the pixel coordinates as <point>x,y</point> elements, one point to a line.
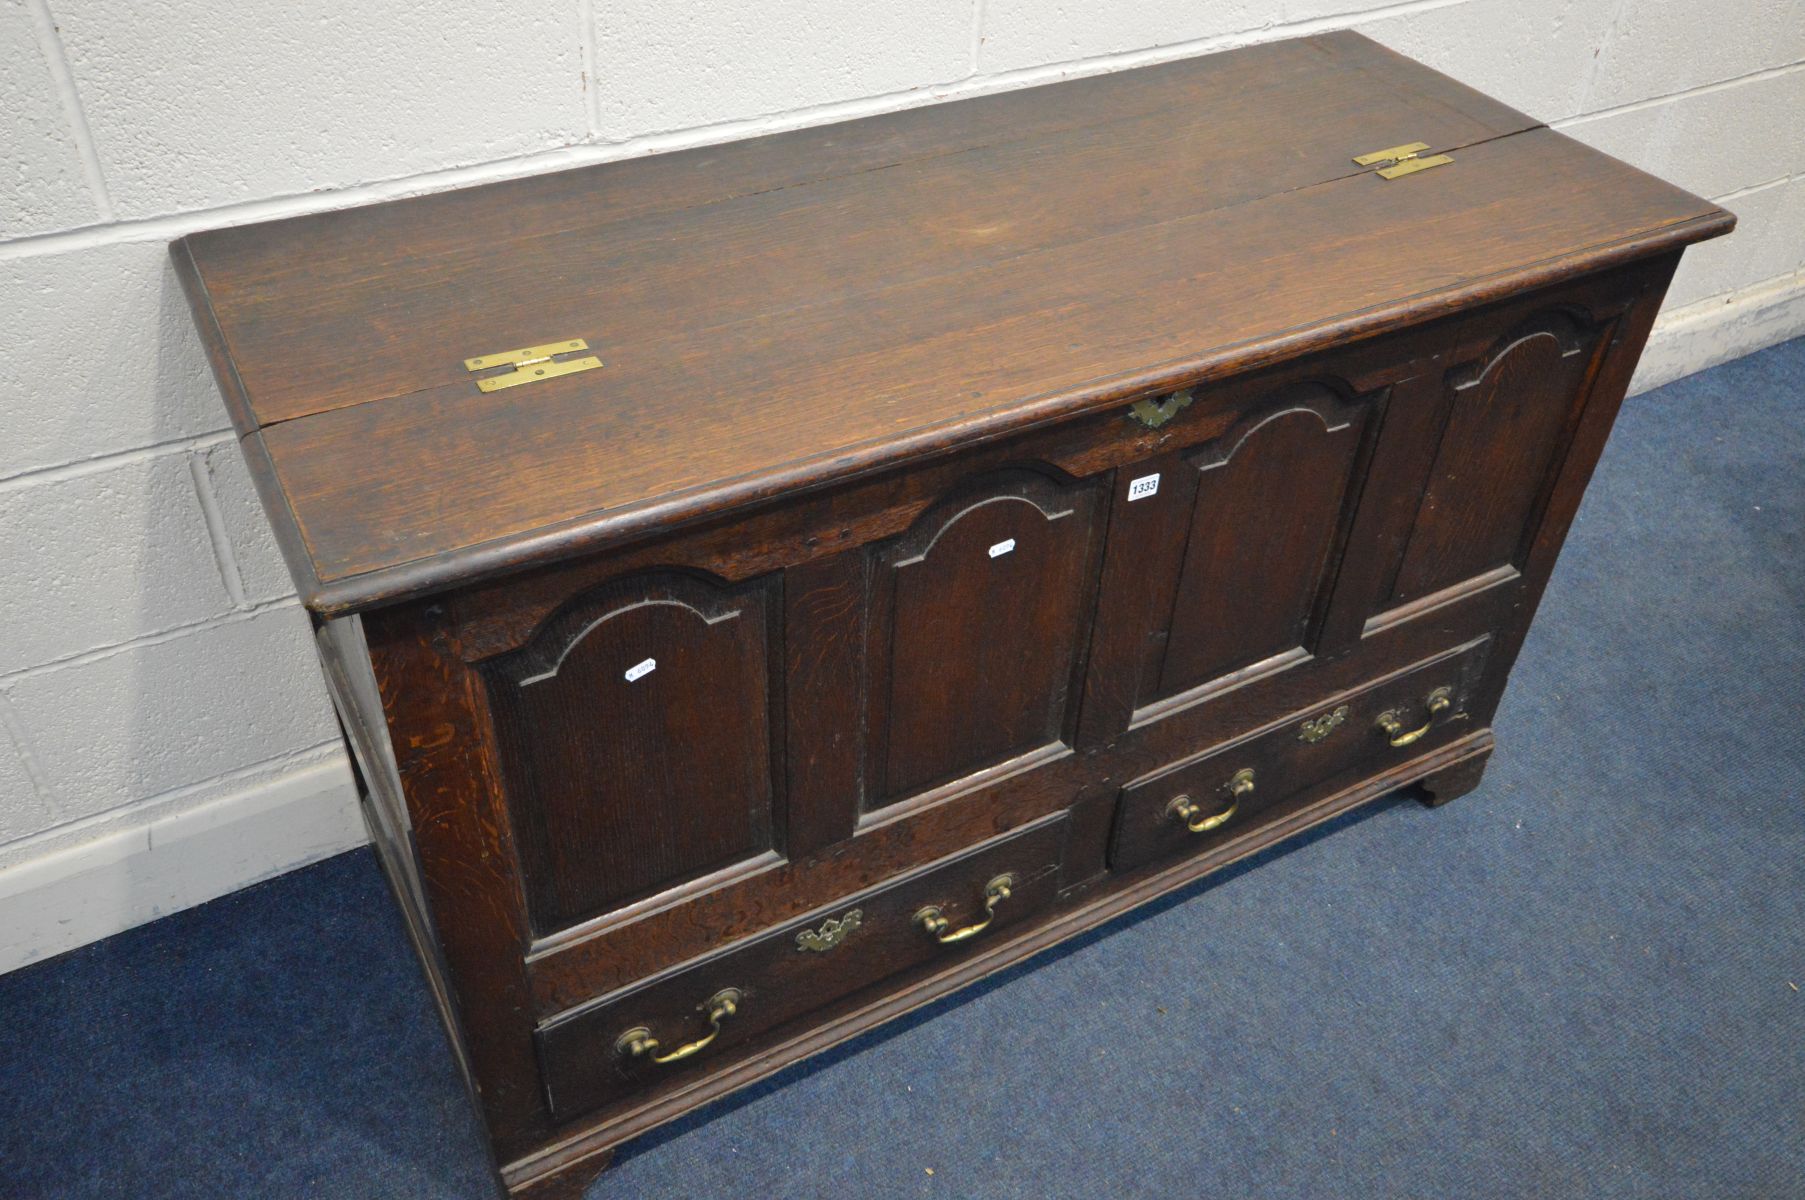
<point>770,585</point>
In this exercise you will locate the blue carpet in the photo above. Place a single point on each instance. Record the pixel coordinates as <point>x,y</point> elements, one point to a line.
<point>1583,979</point>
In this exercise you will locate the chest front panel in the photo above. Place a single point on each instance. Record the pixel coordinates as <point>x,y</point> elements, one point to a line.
<point>1508,413</point>
<point>1271,504</point>
<point>733,706</point>
<point>978,619</point>
<point>715,735</point>
<point>634,731</point>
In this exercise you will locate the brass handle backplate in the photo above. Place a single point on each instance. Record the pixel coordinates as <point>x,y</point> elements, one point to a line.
<point>938,927</point>
<point>1391,723</point>
<point>638,1042</point>
<point>1191,813</point>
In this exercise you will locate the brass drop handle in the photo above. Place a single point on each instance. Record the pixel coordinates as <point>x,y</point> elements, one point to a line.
<point>1392,723</point>
<point>639,1042</point>
<point>936,924</point>
<point>1191,813</point>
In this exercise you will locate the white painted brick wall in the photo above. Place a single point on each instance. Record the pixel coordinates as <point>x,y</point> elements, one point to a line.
<point>154,671</point>
<point>1536,55</point>
<point>1664,47</point>
<point>103,556</point>
<point>1030,33</point>
<point>27,810</point>
<point>171,712</point>
<point>663,66</point>
<point>44,189</point>
<point>193,105</point>
<point>1715,141</point>
<point>100,355</point>
<point>1769,243</point>
<point>248,542</point>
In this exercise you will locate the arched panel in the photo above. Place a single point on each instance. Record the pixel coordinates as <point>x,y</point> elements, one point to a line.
<point>1508,416</point>
<point>1269,508</point>
<point>634,731</point>
<point>980,615</point>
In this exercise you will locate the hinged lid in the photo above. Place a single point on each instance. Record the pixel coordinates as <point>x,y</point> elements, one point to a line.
<point>778,312</point>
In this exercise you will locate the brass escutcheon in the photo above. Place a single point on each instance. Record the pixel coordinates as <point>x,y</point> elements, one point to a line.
<point>1154,413</point>
<point>1318,728</point>
<point>833,931</point>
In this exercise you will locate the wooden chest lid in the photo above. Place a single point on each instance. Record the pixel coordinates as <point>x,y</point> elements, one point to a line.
<point>779,312</point>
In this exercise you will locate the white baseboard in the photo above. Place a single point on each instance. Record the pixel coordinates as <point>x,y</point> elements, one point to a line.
<point>76,894</point>
<point>1691,339</point>
<point>81,893</point>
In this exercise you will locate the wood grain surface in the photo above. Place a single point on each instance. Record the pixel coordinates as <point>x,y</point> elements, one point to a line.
<point>782,312</point>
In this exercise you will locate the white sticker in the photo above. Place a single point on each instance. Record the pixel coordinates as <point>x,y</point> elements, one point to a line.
<point>1145,486</point>
<point>1003,547</point>
<point>640,670</point>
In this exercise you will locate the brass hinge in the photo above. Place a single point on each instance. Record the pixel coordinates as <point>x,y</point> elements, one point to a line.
<point>531,363</point>
<point>1403,160</point>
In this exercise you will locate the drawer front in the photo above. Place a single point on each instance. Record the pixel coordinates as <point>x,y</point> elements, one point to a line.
<point>692,1016</point>
<point>1231,789</point>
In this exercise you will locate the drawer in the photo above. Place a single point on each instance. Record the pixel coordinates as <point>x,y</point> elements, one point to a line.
<point>1232,788</point>
<point>700,1012</point>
